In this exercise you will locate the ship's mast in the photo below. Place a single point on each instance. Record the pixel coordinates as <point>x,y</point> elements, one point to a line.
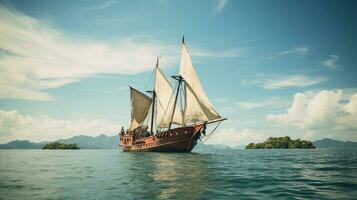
<point>179,79</point>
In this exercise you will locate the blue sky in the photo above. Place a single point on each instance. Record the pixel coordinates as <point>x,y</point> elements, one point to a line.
<point>272,67</point>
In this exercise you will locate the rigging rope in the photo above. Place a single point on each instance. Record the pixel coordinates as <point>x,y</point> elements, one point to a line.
<point>205,138</point>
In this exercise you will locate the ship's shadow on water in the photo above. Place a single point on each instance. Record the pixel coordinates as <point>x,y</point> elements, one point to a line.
<point>168,175</point>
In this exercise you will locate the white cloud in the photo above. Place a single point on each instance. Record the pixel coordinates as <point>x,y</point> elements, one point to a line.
<point>256,39</point>
<point>299,51</point>
<point>331,62</point>
<point>346,93</point>
<point>322,115</point>
<point>14,125</point>
<point>351,107</point>
<point>35,57</point>
<point>307,111</point>
<point>233,137</point>
<point>103,5</point>
<point>270,102</point>
<point>220,54</point>
<point>285,81</point>
<point>222,100</point>
<point>220,4</point>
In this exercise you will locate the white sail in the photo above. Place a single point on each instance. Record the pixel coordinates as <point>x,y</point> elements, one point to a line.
<point>197,105</point>
<point>140,105</point>
<point>165,102</point>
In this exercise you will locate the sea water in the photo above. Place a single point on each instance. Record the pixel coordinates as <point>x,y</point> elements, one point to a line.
<point>219,174</point>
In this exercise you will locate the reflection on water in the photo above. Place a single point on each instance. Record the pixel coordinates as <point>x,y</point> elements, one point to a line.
<point>168,176</point>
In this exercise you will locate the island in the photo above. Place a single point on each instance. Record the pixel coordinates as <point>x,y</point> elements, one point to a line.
<point>282,143</point>
<point>57,145</point>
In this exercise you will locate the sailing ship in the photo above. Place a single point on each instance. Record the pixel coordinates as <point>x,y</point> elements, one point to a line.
<point>176,124</point>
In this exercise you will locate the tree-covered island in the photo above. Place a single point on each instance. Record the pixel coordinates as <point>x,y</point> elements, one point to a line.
<point>57,145</point>
<point>282,143</point>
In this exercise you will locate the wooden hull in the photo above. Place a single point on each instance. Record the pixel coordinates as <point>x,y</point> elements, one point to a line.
<point>182,139</point>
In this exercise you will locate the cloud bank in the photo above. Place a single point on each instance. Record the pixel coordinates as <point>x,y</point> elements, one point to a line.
<point>331,62</point>
<point>233,137</point>
<point>298,50</point>
<point>321,115</point>
<point>286,81</point>
<point>35,57</point>
<point>44,128</point>
<point>220,4</point>
<point>272,102</point>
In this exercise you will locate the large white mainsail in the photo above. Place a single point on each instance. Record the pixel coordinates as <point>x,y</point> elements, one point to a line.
<point>140,105</point>
<point>197,105</point>
<point>165,102</point>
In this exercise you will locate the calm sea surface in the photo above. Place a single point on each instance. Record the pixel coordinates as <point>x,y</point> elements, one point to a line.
<point>223,174</point>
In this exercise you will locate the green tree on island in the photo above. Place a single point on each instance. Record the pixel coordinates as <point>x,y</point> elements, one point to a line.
<point>57,145</point>
<point>282,143</point>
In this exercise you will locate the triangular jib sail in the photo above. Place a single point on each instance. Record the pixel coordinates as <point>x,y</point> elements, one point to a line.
<point>140,105</point>
<point>197,105</point>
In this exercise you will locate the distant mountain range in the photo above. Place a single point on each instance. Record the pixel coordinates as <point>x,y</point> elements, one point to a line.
<point>329,143</point>
<point>111,142</point>
<point>89,142</point>
<point>210,147</point>
<point>84,142</point>
<point>22,144</point>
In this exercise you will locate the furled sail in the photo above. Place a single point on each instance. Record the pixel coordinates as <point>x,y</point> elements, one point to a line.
<point>140,105</point>
<point>165,102</point>
<point>197,105</point>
